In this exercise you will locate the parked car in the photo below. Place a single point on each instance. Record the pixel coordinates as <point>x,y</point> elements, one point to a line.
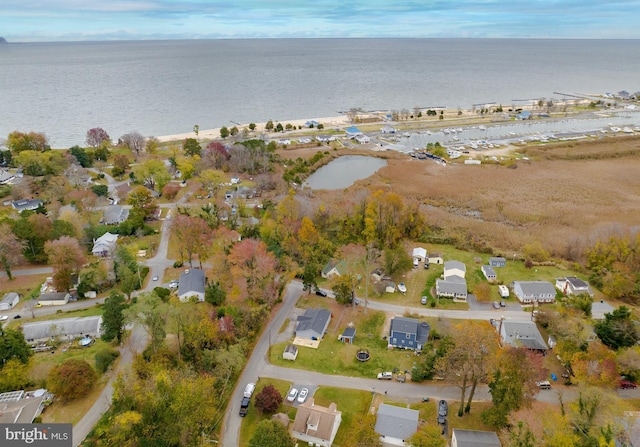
<point>321,292</point>
<point>443,409</point>
<point>174,284</point>
<point>155,278</point>
<point>423,300</point>
<point>496,305</point>
<point>387,375</point>
<point>502,304</point>
<point>4,318</point>
<point>244,406</point>
<point>304,392</point>
<point>543,384</point>
<point>402,378</point>
<point>402,288</point>
<point>17,317</point>
<point>292,395</point>
<point>626,384</point>
<point>426,265</point>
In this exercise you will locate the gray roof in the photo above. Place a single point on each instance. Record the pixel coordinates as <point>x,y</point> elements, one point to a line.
<point>411,326</point>
<point>523,333</point>
<point>292,349</point>
<point>115,214</point>
<point>451,286</point>
<point>396,422</point>
<point>577,283</point>
<point>349,332</point>
<point>74,327</point>
<point>455,265</point>
<point>9,298</point>
<point>536,287</point>
<point>26,204</point>
<point>497,259</point>
<point>476,438</point>
<point>53,296</point>
<point>313,323</point>
<point>488,270</point>
<point>191,281</point>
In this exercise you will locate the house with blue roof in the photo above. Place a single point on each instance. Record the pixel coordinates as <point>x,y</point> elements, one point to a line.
<point>408,333</point>
<point>524,115</point>
<point>353,131</point>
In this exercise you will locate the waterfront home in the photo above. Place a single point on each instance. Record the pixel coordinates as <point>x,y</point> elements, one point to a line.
<point>353,132</point>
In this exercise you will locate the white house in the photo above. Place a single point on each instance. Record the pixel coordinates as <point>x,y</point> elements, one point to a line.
<point>316,425</point>
<point>454,268</point>
<point>388,129</point>
<point>534,291</point>
<point>573,286</point>
<point>362,139</point>
<point>192,282</point>
<point>105,245</point>
<point>396,425</point>
<point>53,299</point>
<point>521,334</point>
<point>9,301</point>
<point>66,327</point>
<point>420,253</point>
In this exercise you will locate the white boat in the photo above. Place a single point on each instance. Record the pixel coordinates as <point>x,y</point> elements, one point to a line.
<point>627,130</point>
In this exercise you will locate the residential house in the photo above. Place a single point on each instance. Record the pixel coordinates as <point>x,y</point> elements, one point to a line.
<point>454,284</point>
<point>290,352</point>
<point>362,139</point>
<point>573,286</point>
<point>68,328</point>
<point>6,177</point>
<point>115,215</point>
<point>474,438</point>
<point>105,245</point>
<point>22,407</point>
<point>454,268</point>
<point>334,267</point>
<point>436,258</point>
<point>53,298</point>
<point>388,129</point>
<point>534,291</point>
<point>348,335</point>
<point>316,425</point>
<point>420,253</point>
<point>489,273</point>
<point>408,333</point>
<point>396,425</point>
<point>192,282</point>
<point>497,262</point>
<point>313,324</point>
<point>26,204</point>
<point>9,301</point>
<point>521,334</point>
<point>353,132</point>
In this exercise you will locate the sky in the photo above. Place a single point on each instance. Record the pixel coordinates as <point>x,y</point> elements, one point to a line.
<point>87,20</point>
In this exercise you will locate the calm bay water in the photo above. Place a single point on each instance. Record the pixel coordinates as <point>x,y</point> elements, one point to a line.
<point>344,172</point>
<point>165,87</point>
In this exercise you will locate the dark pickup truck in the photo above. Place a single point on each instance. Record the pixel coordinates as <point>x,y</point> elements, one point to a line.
<point>244,406</point>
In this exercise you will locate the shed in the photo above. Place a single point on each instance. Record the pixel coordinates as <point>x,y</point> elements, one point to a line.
<point>497,262</point>
<point>348,335</point>
<point>420,253</point>
<point>290,352</point>
<point>489,273</point>
<point>436,258</point>
<point>9,301</point>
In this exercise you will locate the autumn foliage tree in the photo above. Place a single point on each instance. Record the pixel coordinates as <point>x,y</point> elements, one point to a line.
<point>31,141</point>
<point>142,202</point>
<point>10,249</point>
<point>72,379</point>
<point>66,257</point>
<point>253,269</point>
<point>269,399</point>
<point>270,433</point>
<point>96,137</point>
<point>193,236</point>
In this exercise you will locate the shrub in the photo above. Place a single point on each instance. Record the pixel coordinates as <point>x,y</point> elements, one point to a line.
<point>104,359</point>
<point>72,379</point>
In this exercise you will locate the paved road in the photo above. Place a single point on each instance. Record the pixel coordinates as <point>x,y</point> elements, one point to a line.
<point>136,342</point>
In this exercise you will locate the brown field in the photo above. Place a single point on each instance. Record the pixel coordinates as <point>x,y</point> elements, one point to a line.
<point>566,195</point>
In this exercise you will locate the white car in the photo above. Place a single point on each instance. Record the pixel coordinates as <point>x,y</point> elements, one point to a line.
<point>303,395</point>
<point>292,395</point>
<point>155,278</point>
<point>4,318</point>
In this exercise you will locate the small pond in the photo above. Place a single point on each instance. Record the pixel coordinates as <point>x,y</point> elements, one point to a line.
<point>344,172</point>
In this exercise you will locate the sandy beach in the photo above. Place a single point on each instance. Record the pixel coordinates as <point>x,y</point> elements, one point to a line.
<point>210,134</point>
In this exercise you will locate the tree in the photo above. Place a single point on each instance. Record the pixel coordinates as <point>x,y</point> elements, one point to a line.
<point>253,269</point>
<point>270,433</point>
<point>269,125</point>
<point>19,142</point>
<point>13,346</point>
<point>214,294</point>
<point>617,330</point>
<point>152,144</point>
<point>343,289</point>
<point>522,436</point>
<point>153,173</point>
<point>224,132</point>
<point>193,236</point>
<point>211,180</point>
<point>142,201</point>
<point>96,137</point>
<point>66,257</point>
<point>252,126</point>
<point>152,313</point>
<point>113,317</point>
<point>233,131</point>
<point>427,436</point>
<point>134,141</point>
<point>120,165</point>
<point>269,399</point>
<point>72,379</point>
<point>191,147</point>
<point>15,376</point>
<point>10,249</point>
<point>84,158</point>
<point>100,190</point>
<point>468,361</point>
